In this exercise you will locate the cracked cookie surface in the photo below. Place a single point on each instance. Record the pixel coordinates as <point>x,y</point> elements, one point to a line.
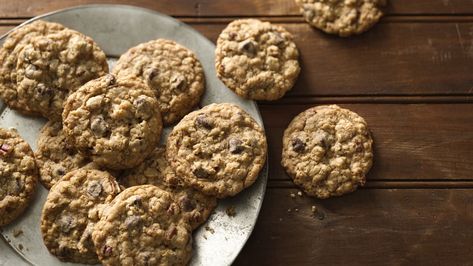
<point>219,150</point>
<point>342,17</point>
<point>143,226</point>
<point>12,46</point>
<point>155,170</point>
<point>257,60</point>
<point>114,121</point>
<point>51,67</point>
<point>18,175</point>
<point>327,150</point>
<point>171,70</point>
<point>73,206</point>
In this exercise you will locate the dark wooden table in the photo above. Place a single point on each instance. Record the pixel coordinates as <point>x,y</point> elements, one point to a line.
<point>411,77</point>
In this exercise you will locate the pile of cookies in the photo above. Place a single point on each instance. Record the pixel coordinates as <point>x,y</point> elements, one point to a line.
<point>117,196</point>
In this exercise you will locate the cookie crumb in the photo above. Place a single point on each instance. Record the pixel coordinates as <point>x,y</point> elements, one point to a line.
<point>314,209</point>
<point>299,193</point>
<point>231,211</point>
<point>210,229</point>
<point>289,210</point>
<point>17,232</point>
<point>292,195</point>
<point>20,246</point>
<point>296,209</point>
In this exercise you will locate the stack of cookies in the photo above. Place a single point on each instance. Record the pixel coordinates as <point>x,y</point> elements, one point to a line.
<point>116,196</point>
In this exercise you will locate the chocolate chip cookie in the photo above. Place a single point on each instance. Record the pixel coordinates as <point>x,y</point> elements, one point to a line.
<point>327,150</point>
<point>18,175</point>
<point>219,150</point>
<point>171,70</point>
<point>257,60</point>
<point>14,43</point>
<point>114,121</point>
<point>73,206</point>
<point>155,170</point>
<point>342,17</point>
<point>50,67</point>
<point>143,226</point>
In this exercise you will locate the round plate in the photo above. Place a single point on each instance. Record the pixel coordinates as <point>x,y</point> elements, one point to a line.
<point>116,28</point>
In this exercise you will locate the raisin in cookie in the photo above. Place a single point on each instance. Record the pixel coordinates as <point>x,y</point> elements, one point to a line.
<point>171,70</point>
<point>218,150</point>
<point>257,60</point>
<point>143,226</point>
<point>116,122</point>
<point>327,150</point>
<point>18,175</point>
<point>73,206</point>
<point>14,43</point>
<point>50,67</point>
<point>155,170</point>
<point>342,17</point>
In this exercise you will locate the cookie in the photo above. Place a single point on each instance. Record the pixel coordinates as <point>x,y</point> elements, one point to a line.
<point>14,43</point>
<point>342,17</point>
<point>219,150</point>
<point>327,150</point>
<point>155,170</point>
<point>114,121</point>
<point>73,206</point>
<point>50,67</point>
<point>257,60</point>
<point>143,226</point>
<point>18,175</point>
<point>171,70</point>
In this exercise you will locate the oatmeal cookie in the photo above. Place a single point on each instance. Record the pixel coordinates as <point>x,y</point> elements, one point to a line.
<point>143,226</point>
<point>72,208</point>
<point>155,170</point>
<point>14,43</point>
<point>257,60</point>
<point>342,17</point>
<point>219,150</point>
<point>171,70</point>
<point>18,175</point>
<point>327,150</point>
<point>51,67</point>
<point>114,121</point>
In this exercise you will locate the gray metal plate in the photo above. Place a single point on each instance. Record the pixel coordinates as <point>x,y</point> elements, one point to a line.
<point>116,28</point>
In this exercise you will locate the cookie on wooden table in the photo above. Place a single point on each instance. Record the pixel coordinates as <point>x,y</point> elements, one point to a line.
<point>155,170</point>
<point>51,67</point>
<point>114,121</point>
<point>171,70</point>
<point>143,226</point>
<point>257,60</point>
<point>18,175</point>
<point>219,150</point>
<point>342,17</point>
<point>13,44</point>
<point>73,206</point>
<point>327,150</point>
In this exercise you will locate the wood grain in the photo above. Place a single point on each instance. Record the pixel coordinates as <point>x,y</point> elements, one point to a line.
<point>25,8</point>
<point>412,141</point>
<point>367,227</point>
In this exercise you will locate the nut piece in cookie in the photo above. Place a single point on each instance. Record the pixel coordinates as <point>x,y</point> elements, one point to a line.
<point>327,150</point>
<point>115,121</point>
<point>257,60</point>
<point>155,170</point>
<point>171,70</point>
<point>342,17</point>
<point>16,40</point>
<point>143,226</point>
<point>73,206</point>
<point>219,150</point>
<point>51,67</point>
<point>18,175</point>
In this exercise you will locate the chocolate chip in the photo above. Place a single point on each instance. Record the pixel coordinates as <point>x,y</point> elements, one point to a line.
<point>248,47</point>
<point>298,145</point>
<point>107,250</point>
<point>200,172</point>
<point>173,209</point>
<point>136,201</point>
<point>67,223</point>
<point>98,126</point>
<point>94,189</point>
<point>110,79</point>
<point>235,146</point>
<point>152,73</point>
<point>132,221</point>
<point>203,121</point>
<point>59,171</point>
<point>171,232</point>
<point>186,204</point>
<point>177,82</point>
<point>42,91</point>
<point>277,38</point>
